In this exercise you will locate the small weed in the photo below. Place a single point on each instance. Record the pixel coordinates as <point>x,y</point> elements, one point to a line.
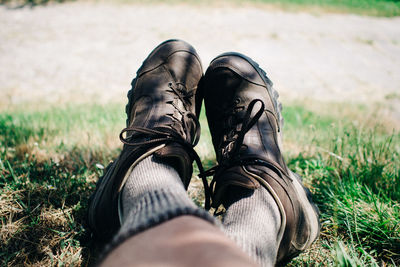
<point>392,96</point>
<point>365,41</point>
<point>274,36</point>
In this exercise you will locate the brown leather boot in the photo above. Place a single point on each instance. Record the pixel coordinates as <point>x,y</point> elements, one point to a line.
<point>161,122</point>
<point>245,122</point>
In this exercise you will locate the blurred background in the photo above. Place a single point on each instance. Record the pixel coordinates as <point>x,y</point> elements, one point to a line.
<point>90,50</point>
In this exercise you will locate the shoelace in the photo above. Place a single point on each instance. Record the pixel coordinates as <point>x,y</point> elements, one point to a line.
<point>246,126</point>
<point>183,94</point>
<point>166,135</point>
<point>233,154</point>
<point>162,135</point>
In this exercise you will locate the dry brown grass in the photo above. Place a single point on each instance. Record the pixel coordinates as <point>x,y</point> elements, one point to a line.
<point>31,237</point>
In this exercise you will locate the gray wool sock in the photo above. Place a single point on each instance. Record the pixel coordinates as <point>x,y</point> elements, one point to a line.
<point>253,220</point>
<point>153,194</point>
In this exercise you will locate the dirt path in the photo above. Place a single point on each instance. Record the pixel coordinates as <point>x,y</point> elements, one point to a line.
<point>76,51</point>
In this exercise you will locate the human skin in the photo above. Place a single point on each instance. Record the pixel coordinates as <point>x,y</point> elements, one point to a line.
<point>182,241</point>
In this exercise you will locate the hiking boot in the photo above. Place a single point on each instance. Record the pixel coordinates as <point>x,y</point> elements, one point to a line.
<point>161,122</point>
<point>245,122</point>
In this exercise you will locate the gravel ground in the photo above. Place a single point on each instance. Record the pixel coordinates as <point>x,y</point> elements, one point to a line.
<point>87,51</point>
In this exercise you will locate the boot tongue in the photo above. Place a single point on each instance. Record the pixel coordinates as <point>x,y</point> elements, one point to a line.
<point>235,193</point>
<point>232,177</point>
<point>177,157</point>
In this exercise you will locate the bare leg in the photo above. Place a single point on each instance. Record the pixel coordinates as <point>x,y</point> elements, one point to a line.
<point>183,241</point>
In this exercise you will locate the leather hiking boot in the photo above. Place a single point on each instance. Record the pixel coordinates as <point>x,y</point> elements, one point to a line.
<point>245,123</point>
<point>161,122</point>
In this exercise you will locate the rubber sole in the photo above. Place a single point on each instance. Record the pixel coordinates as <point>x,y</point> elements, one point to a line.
<point>310,209</point>
<point>93,201</point>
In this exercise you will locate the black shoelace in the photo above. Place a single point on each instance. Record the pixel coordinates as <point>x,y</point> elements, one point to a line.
<point>162,135</point>
<point>236,141</point>
<point>167,134</point>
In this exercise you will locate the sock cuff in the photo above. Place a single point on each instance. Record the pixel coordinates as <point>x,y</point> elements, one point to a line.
<point>154,208</point>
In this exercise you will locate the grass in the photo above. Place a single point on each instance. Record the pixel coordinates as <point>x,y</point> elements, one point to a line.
<point>52,157</point>
<point>385,8</point>
<point>47,172</point>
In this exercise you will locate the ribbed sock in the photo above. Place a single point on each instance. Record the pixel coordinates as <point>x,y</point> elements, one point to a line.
<point>253,220</point>
<point>153,194</point>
